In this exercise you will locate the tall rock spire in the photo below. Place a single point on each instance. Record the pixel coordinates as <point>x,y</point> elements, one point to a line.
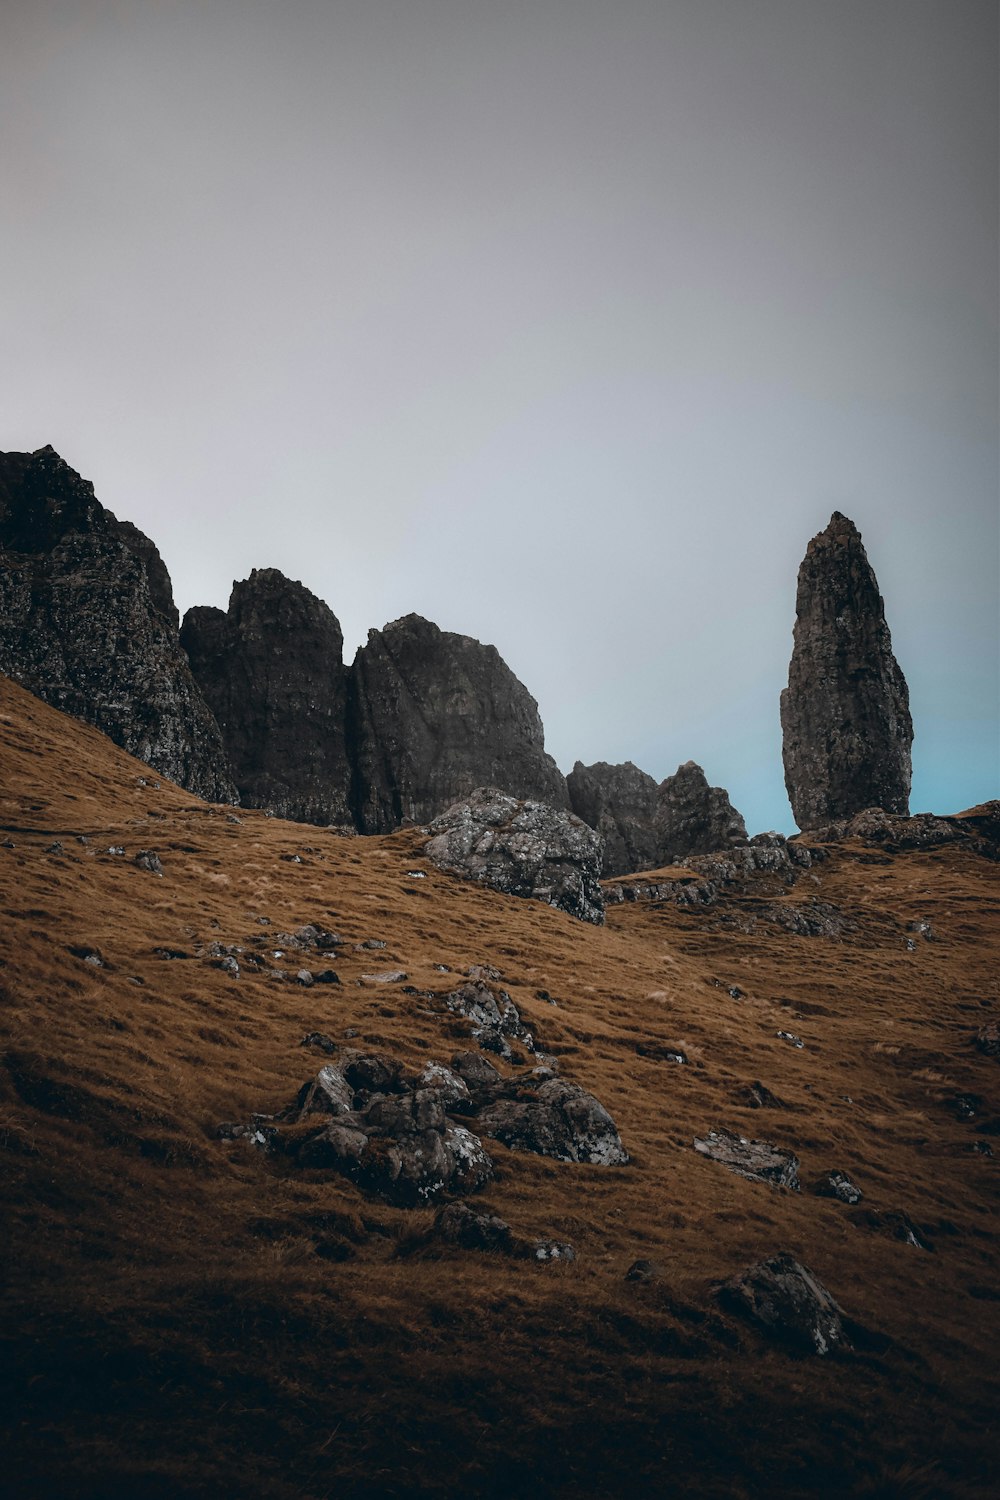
<point>845,714</point>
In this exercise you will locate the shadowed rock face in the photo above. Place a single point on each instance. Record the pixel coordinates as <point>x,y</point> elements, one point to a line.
<point>693,817</point>
<point>845,714</point>
<point>87,622</point>
<point>272,670</point>
<point>620,803</point>
<point>436,715</point>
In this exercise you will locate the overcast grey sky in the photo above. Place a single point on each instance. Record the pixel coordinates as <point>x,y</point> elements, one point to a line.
<point>565,323</point>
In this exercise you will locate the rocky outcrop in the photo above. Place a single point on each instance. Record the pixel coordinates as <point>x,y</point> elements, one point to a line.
<point>694,818</point>
<point>436,715</point>
<point>523,849</point>
<point>845,714</point>
<point>272,671</point>
<point>87,622</point>
<point>620,803</point>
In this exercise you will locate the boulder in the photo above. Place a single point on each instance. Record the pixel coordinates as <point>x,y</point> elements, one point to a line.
<point>557,1119</point>
<point>87,622</point>
<point>620,803</point>
<point>845,713</point>
<point>692,817</point>
<point>788,1302</point>
<point>272,670</point>
<point>522,848</point>
<point>435,715</point>
<point>758,1161</point>
<point>495,1018</point>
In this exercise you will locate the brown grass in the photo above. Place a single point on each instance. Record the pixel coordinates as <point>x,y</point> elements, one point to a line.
<point>185,1317</point>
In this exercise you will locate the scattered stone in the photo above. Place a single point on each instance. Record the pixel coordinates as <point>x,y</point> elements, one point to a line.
<point>788,1301</point>
<point>838,1185</point>
<point>54,848</point>
<point>548,1250</point>
<point>982,1148</point>
<point>416,875</point>
<point>660,1053</point>
<point>171,953</point>
<point>292,859</point>
<point>988,1039</point>
<point>232,818</point>
<point>8,844</point>
<point>329,1093</point>
<point>758,1161</point>
<point>326,976</point>
<point>450,1085</point>
<point>495,1018</point>
<point>372,943</point>
<point>486,973</point>
<point>319,1039</point>
<point>386,976</point>
<point>845,714</point>
<point>757,1096</point>
<point>148,859</point>
<point>115,849</point>
<point>643,1270</point>
<point>790,1038</point>
<point>523,849</point>
<point>230,966</point>
<point>304,976</point>
<point>557,1119</point>
<point>965,1106</point>
<point>475,1069</point>
<point>458,1224</point>
<point>94,959</point>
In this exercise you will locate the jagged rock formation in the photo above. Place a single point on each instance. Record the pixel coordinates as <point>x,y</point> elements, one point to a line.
<point>693,817</point>
<point>436,715</point>
<point>522,848</point>
<point>845,714</point>
<point>272,672</point>
<point>87,622</point>
<point>644,825</point>
<point>620,803</point>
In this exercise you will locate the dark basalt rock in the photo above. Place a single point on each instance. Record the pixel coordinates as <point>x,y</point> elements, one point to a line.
<point>788,1302</point>
<point>272,671</point>
<point>522,848</point>
<point>694,818</point>
<point>845,714</point>
<point>435,715</point>
<point>620,803</point>
<point>87,622</point>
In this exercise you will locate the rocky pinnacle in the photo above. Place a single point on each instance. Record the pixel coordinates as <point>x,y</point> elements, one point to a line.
<point>845,714</point>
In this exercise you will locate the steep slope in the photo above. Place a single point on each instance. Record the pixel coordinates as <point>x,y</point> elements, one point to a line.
<point>188,1316</point>
<point>87,621</point>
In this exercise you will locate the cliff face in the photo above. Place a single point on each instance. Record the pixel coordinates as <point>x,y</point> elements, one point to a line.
<point>845,714</point>
<point>693,817</point>
<point>272,671</point>
<point>87,622</point>
<point>435,715</point>
<point>620,803</point>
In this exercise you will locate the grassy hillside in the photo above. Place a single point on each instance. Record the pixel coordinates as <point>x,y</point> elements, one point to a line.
<point>190,1317</point>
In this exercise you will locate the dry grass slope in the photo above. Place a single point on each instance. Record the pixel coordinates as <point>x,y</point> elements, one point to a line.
<point>186,1317</point>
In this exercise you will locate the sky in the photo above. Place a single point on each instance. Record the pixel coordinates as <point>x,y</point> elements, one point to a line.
<point>564,323</point>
